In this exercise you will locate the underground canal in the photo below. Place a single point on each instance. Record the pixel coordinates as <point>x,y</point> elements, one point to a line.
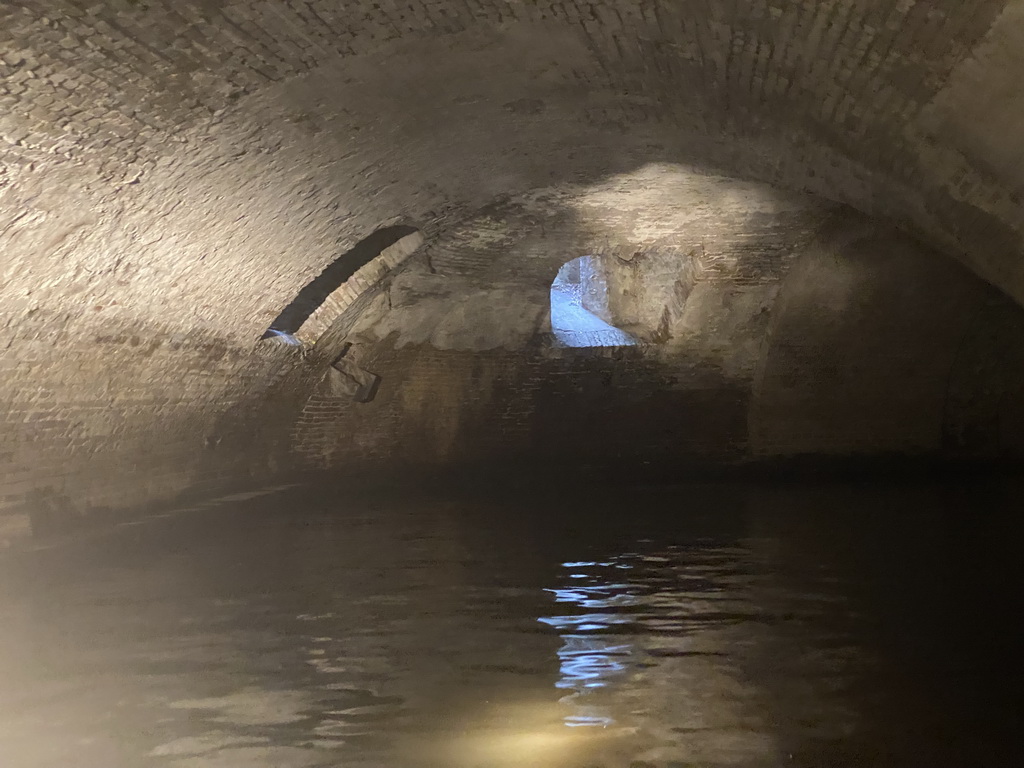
<point>483,384</point>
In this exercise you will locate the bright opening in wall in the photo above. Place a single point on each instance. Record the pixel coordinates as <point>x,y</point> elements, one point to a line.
<point>579,304</point>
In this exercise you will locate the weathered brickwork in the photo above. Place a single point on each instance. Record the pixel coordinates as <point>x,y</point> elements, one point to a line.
<point>855,343</point>
<point>839,97</point>
<point>127,420</point>
<point>858,351</point>
<point>559,407</point>
<point>172,174</point>
<point>856,63</point>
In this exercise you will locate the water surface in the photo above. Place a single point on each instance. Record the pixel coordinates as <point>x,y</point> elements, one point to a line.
<point>829,625</point>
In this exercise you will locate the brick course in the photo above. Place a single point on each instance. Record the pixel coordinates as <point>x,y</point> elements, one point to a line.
<point>172,173</point>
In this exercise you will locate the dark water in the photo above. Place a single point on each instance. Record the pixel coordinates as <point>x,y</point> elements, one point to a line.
<point>697,626</point>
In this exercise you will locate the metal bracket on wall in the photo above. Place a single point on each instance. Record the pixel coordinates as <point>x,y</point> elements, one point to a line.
<point>347,379</point>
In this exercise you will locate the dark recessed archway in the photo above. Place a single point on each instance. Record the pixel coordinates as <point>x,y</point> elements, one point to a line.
<point>341,269</point>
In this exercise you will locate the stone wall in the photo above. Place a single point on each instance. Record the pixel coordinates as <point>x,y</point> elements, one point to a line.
<point>860,348</point>
<point>775,325</point>
<point>130,420</point>
<point>856,343</point>
<point>864,103</point>
<point>578,409</point>
<point>173,173</point>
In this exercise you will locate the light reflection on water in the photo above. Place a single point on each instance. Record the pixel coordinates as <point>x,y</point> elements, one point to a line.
<point>778,631</point>
<point>634,610</point>
<point>591,657</point>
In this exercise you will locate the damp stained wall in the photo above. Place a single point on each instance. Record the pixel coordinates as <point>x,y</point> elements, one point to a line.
<point>172,175</point>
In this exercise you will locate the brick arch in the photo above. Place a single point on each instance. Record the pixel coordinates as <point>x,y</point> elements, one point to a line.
<point>867,103</point>
<point>173,173</point>
<point>318,290</point>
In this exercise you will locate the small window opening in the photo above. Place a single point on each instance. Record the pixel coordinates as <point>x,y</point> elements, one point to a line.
<point>310,298</point>
<point>281,337</point>
<point>579,299</point>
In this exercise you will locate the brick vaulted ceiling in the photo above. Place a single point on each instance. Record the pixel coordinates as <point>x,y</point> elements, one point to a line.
<point>157,155</point>
<point>174,172</point>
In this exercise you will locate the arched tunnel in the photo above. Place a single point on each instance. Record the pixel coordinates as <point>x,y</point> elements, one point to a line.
<point>511,383</point>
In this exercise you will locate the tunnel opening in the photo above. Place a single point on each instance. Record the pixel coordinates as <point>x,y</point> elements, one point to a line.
<point>315,293</point>
<point>579,307</point>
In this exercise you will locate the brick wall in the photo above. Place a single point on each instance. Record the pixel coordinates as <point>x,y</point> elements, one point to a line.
<point>858,343</point>
<point>863,337</point>
<point>858,102</point>
<point>554,407</point>
<point>129,419</point>
<point>172,173</point>
<point>805,328</point>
